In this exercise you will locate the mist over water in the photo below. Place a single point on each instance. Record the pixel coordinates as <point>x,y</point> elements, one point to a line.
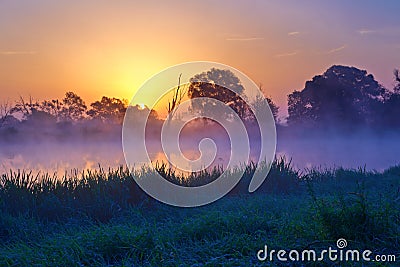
<point>375,152</point>
<point>60,157</point>
<point>371,152</point>
<point>334,122</point>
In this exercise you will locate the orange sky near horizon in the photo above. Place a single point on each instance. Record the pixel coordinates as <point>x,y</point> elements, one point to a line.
<point>97,48</point>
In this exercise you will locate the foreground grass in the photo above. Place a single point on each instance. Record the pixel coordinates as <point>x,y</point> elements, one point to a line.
<point>92,222</point>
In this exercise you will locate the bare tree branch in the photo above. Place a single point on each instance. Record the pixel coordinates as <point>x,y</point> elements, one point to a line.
<point>5,111</point>
<point>26,107</point>
<point>179,94</point>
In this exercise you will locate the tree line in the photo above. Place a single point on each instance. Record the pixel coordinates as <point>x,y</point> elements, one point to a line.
<point>342,98</point>
<point>69,116</point>
<point>72,108</point>
<point>345,98</point>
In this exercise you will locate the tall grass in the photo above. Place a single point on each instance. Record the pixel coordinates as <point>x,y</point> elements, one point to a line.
<point>102,218</point>
<point>101,194</point>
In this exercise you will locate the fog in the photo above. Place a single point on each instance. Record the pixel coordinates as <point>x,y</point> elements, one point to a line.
<point>371,152</point>
<point>375,152</point>
<point>60,157</point>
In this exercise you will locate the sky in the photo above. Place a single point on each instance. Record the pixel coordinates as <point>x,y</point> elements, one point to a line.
<point>110,48</point>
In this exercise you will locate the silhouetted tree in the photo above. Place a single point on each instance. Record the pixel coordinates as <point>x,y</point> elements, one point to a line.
<point>26,107</point>
<point>108,110</point>
<point>176,100</point>
<point>342,96</point>
<point>52,107</point>
<point>38,118</point>
<point>257,103</point>
<point>214,84</point>
<point>5,113</point>
<point>70,108</point>
<point>138,113</point>
<point>391,113</point>
<point>74,108</point>
<point>397,80</point>
<point>35,114</point>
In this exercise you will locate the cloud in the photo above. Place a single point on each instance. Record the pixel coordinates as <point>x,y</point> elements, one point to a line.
<point>365,31</point>
<point>336,49</point>
<point>12,53</point>
<point>244,39</point>
<point>293,33</point>
<point>383,32</point>
<point>287,54</point>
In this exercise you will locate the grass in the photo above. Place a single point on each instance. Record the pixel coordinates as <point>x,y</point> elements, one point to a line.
<point>101,218</point>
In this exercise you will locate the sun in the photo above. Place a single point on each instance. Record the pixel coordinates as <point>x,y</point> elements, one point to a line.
<point>141,106</point>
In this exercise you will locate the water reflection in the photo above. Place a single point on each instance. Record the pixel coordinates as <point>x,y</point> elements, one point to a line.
<point>61,157</point>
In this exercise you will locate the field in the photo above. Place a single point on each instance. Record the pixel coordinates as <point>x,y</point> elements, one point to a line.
<point>101,218</point>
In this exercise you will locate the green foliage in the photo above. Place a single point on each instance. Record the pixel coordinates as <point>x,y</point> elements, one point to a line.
<point>340,98</point>
<point>354,211</point>
<point>96,194</point>
<point>101,218</point>
<point>108,109</point>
